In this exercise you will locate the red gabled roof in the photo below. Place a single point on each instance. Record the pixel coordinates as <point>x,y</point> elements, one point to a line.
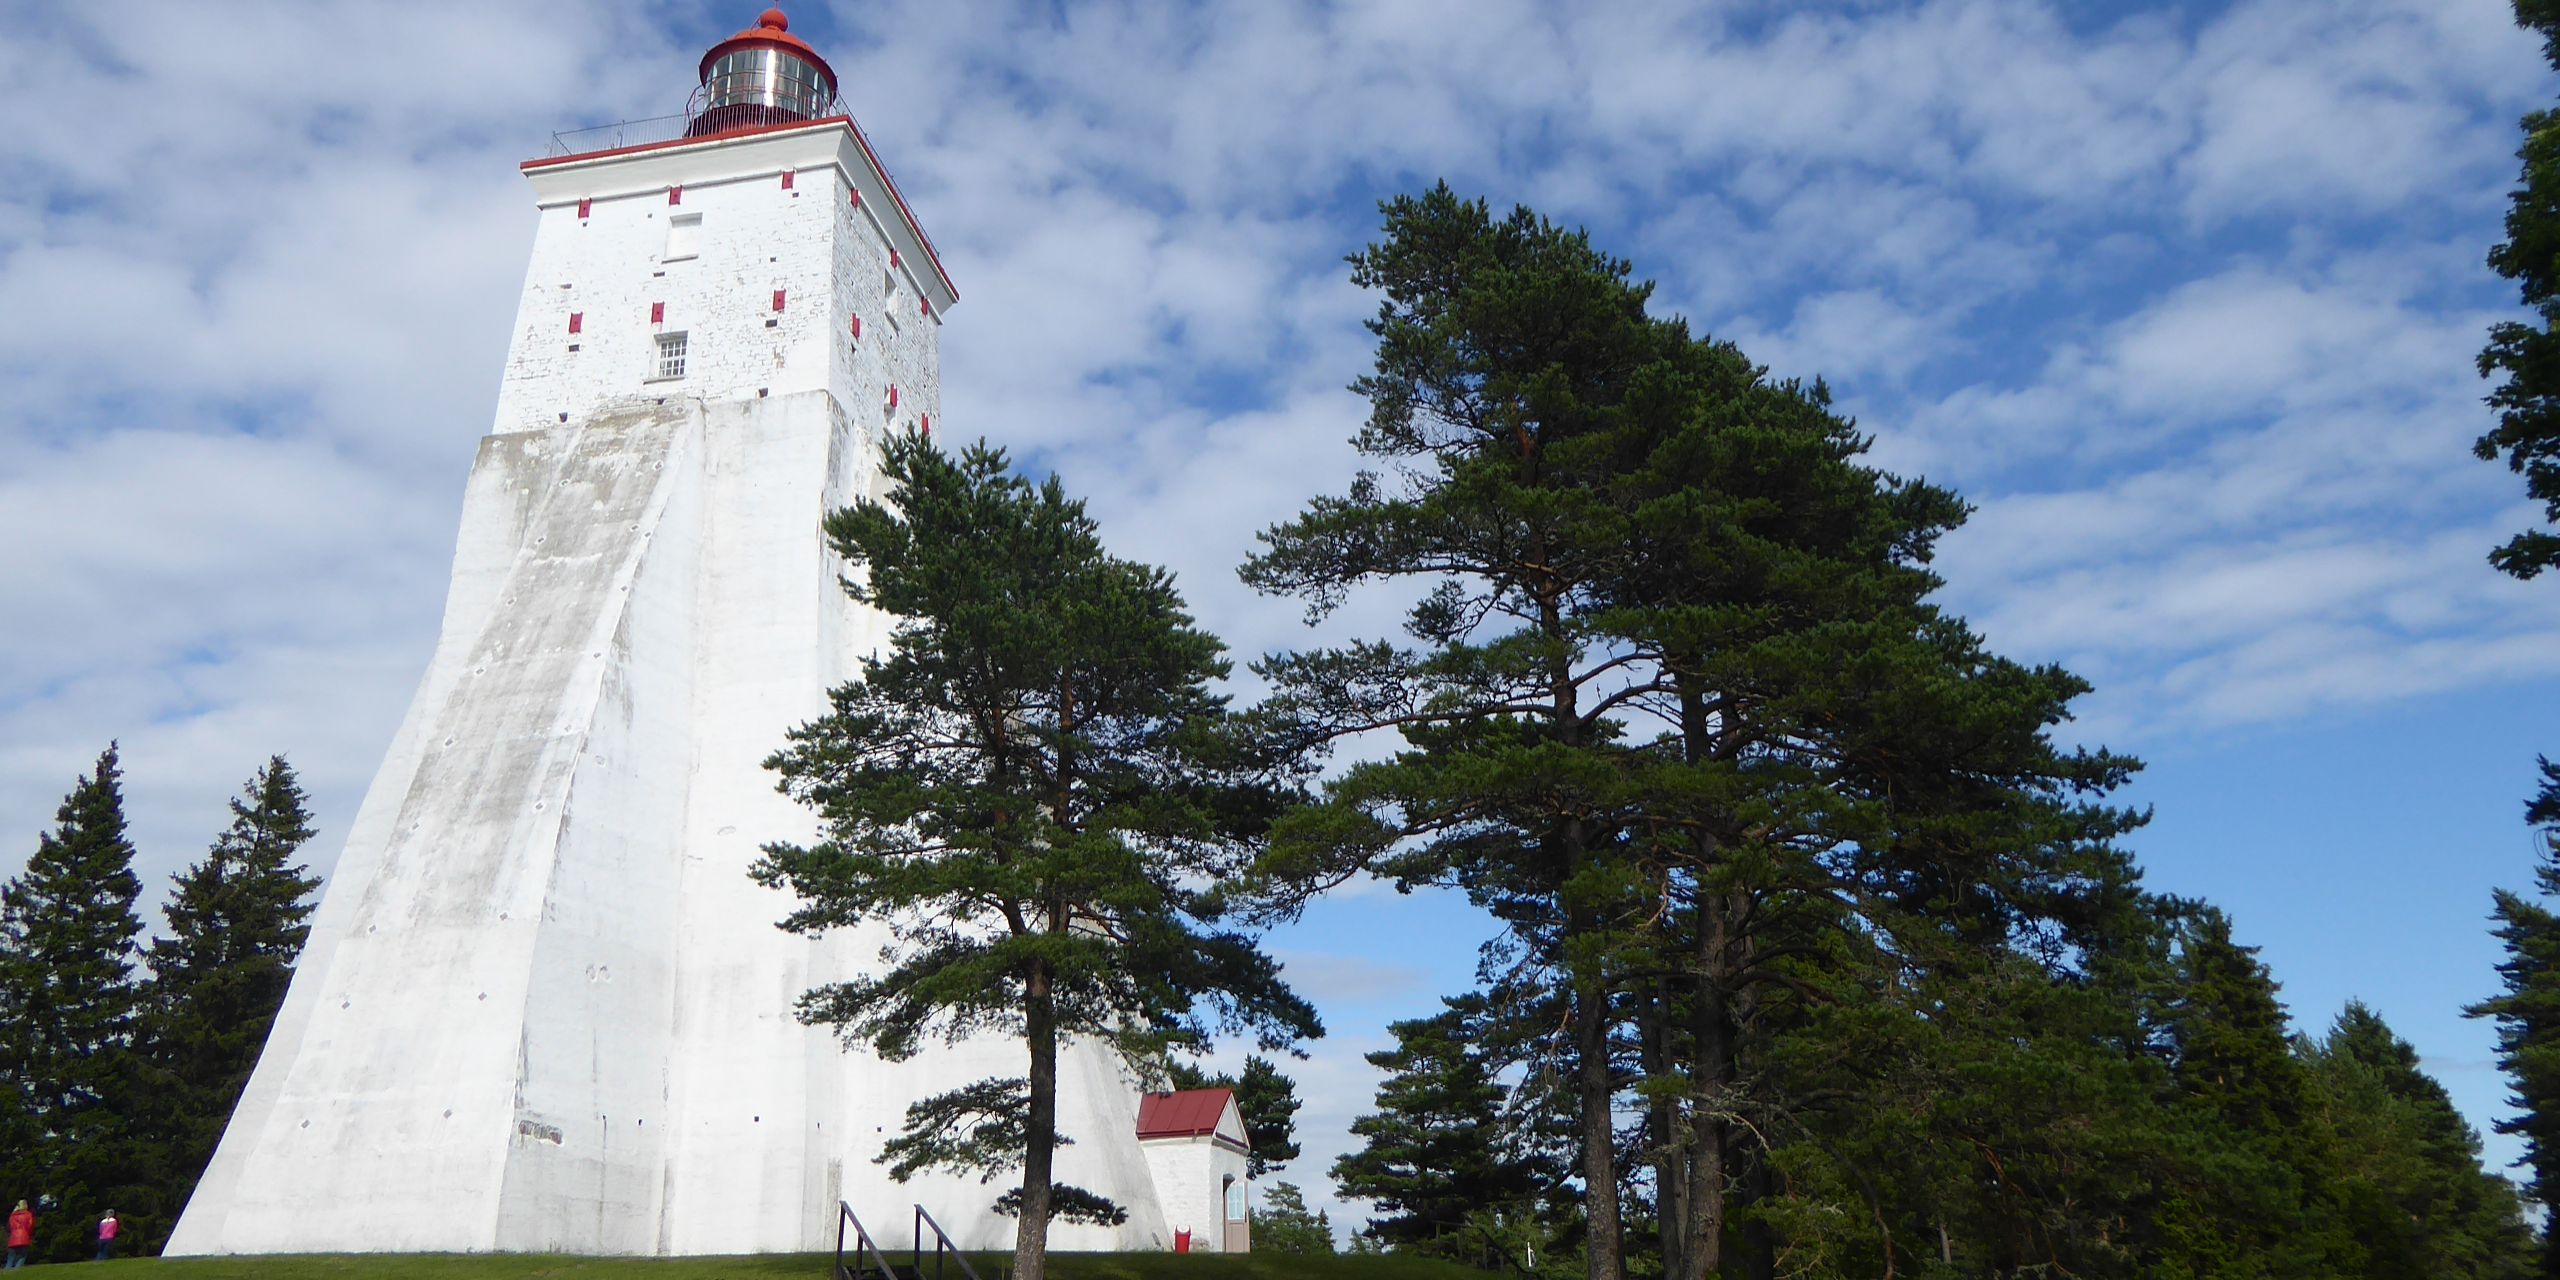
<point>1187,1114</point>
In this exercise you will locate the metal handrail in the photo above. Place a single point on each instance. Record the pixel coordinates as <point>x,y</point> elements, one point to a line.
<point>863,1243</point>
<point>605,137</point>
<point>942,1245</point>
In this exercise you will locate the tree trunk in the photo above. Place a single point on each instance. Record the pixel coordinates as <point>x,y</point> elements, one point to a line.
<point>1667,1139</point>
<point>1711,1034</point>
<point>1759,1246</point>
<point>1604,1251</point>
<point>1710,1133</point>
<point>1040,1029</point>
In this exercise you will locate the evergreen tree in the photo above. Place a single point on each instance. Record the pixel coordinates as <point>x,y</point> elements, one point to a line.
<point>1437,1149</point>
<point>236,923</point>
<point>1680,714</point>
<point>1283,1225</point>
<point>2528,1018</point>
<point>2419,1203</point>
<point>1026,790</point>
<point>2273,1206</point>
<point>68,996</point>
<point>1266,1099</point>
<point>2528,355</point>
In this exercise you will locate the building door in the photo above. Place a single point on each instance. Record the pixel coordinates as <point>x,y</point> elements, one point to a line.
<point>1239,1238</point>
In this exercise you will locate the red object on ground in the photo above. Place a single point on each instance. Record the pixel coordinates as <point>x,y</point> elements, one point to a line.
<point>1182,1240</point>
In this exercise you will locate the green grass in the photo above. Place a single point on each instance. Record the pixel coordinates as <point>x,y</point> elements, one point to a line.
<point>531,1266</point>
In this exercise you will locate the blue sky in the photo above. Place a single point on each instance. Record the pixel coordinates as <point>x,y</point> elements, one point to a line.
<point>2183,296</point>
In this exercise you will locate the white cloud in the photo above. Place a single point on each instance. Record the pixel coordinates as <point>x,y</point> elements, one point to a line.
<point>2186,300</point>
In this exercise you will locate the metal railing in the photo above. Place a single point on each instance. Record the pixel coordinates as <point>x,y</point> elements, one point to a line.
<point>863,1244</point>
<point>621,133</point>
<point>942,1248</point>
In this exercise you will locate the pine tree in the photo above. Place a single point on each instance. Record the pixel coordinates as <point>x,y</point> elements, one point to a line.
<point>2528,399</point>
<point>1266,1099</point>
<point>68,996</point>
<point>2528,1017</point>
<point>236,923</point>
<point>1680,713</point>
<point>1028,790</point>
<point>1505,349</point>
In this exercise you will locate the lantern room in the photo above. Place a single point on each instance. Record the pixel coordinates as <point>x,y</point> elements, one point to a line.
<point>761,76</point>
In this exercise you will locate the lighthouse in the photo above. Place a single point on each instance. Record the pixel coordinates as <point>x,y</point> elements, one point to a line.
<point>542,1006</point>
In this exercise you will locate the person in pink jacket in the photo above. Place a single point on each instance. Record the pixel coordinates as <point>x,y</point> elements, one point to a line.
<point>22,1235</point>
<point>107,1228</point>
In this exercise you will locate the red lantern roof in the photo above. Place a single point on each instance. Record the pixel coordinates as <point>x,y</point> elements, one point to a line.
<point>772,31</point>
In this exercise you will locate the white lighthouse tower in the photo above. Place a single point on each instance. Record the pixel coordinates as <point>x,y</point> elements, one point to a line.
<point>542,1006</point>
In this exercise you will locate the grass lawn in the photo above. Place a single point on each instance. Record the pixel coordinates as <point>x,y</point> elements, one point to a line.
<point>531,1266</point>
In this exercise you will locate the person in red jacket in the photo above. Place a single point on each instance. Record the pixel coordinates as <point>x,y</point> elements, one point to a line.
<point>22,1235</point>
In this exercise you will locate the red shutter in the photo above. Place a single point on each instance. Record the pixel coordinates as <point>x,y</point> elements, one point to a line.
<point>777,299</point>
<point>893,257</point>
<point>577,321</point>
<point>675,195</point>
<point>586,206</point>
<point>924,307</point>
<point>857,326</point>
<point>893,395</point>
<point>854,194</point>
<point>657,313</point>
<point>786,178</point>
<point>925,420</point>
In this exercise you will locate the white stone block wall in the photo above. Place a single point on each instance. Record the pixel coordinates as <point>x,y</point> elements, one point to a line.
<point>600,252</point>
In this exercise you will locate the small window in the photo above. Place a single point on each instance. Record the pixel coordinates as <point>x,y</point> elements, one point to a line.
<point>684,237</point>
<point>889,282</point>
<point>1235,1201</point>
<point>671,349</point>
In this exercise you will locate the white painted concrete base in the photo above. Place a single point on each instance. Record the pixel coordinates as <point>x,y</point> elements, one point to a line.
<point>543,1007</point>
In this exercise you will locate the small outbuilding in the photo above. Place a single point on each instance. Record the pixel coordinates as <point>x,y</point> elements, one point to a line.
<point>1196,1148</point>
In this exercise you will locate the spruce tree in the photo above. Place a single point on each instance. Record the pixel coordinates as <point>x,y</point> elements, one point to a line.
<point>2419,1202</point>
<point>1030,789</point>
<point>236,923</point>
<point>1266,1099</point>
<point>67,996</point>
<point>1437,1150</point>
<point>2274,1171</point>
<point>1285,1226</point>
